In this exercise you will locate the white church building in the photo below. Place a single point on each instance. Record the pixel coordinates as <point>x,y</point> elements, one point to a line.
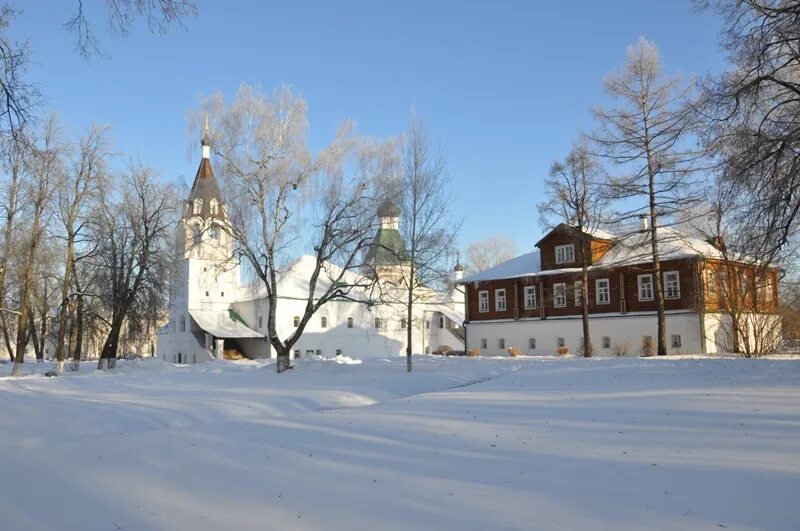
<point>214,315</point>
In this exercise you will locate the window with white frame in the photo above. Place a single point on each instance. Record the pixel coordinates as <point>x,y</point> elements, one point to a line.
<point>603,288</point>
<point>672,285</point>
<point>198,206</point>
<point>530,297</point>
<point>483,301</point>
<point>484,343</point>
<point>578,293</point>
<point>559,295</point>
<point>565,254</point>
<point>676,341</point>
<point>500,300</point>
<point>501,343</point>
<point>561,342</point>
<point>645,287</point>
<point>606,341</point>
<point>532,343</point>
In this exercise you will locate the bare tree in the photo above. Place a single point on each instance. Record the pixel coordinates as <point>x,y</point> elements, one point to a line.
<point>492,251</point>
<point>428,227</point>
<point>43,167</point>
<point>753,116</point>
<point>159,15</point>
<point>133,231</point>
<point>574,196</point>
<point>740,286</point>
<point>647,137</point>
<point>276,190</point>
<point>18,98</point>
<point>80,184</point>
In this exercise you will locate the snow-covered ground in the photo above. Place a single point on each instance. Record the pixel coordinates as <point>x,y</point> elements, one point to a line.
<point>460,443</point>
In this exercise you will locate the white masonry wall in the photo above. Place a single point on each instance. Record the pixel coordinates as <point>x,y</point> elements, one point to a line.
<point>624,331</point>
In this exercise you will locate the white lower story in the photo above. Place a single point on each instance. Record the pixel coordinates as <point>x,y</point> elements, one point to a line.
<point>611,334</point>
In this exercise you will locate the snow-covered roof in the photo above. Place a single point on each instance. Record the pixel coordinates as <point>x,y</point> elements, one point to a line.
<point>628,249</point>
<point>222,325</point>
<point>521,266</point>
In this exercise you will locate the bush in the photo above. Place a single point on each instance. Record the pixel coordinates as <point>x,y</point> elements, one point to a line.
<point>591,350</point>
<point>444,350</point>
<point>621,349</point>
<point>474,352</point>
<point>562,351</point>
<point>647,347</point>
<point>514,352</point>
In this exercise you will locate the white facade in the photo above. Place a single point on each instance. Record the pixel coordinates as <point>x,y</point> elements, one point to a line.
<point>611,334</point>
<point>210,312</point>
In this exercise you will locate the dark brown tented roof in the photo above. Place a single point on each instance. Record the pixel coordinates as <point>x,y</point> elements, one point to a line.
<point>205,187</point>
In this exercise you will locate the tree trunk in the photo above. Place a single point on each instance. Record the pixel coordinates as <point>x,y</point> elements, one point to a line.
<point>409,323</point>
<point>108,356</point>
<point>587,342</point>
<point>77,347</point>
<point>62,316</point>
<point>659,293</point>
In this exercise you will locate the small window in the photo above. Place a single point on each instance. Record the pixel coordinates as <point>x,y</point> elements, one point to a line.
<point>530,297</point>
<point>183,323</point>
<point>338,352</point>
<point>427,350</point>
<point>378,323</point>
<point>213,232</point>
<point>323,322</point>
<point>532,343</point>
<point>207,294</point>
<point>645,287</point>
<point>309,353</point>
<point>500,300</point>
<point>296,321</point>
<point>578,293</point>
<point>441,321</point>
<point>403,324</point>
<point>676,341</point>
<point>221,293</point>
<point>297,354</point>
<point>349,322</point>
<point>213,206</point>
<point>672,285</point>
<point>560,342</point>
<point>260,322</point>
<point>483,301</point>
<point>198,206</point>
<point>319,352</point>
<point>484,343</point>
<point>501,343</point>
<point>427,325</point>
<point>603,288</point>
<point>559,295</point>
<point>606,342</point>
<point>565,254</point>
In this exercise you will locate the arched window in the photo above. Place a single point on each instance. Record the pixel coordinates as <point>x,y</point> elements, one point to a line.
<point>403,323</point>
<point>324,322</point>
<point>378,323</point>
<point>213,232</point>
<point>296,321</point>
<point>349,322</point>
<point>338,352</point>
<point>213,206</point>
<point>198,206</point>
<point>197,234</point>
<point>183,323</point>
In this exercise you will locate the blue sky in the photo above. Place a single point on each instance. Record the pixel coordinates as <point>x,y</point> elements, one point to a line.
<point>503,86</point>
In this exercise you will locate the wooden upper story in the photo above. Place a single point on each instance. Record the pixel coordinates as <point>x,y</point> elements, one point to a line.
<point>618,282</point>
